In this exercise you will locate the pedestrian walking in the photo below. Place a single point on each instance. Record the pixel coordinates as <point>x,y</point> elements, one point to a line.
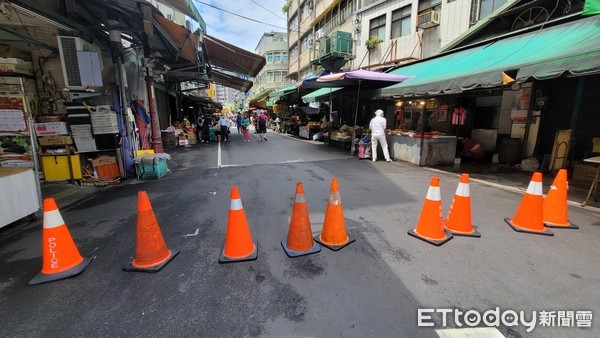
<point>238,122</point>
<point>224,124</point>
<point>206,122</point>
<point>277,124</point>
<point>245,126</point>
<point>377,126</point>
<point>262,126</point>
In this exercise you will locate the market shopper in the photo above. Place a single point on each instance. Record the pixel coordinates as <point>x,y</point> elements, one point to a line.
<point>377,127</point>
<point>262,126</point>
<point>245,126</point>
<point>206,122</point>
<point>277,124</point>
<point>224,124</point>
<point>238,122</point>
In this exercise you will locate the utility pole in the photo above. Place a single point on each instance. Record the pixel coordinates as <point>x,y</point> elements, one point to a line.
<point>146,11</point>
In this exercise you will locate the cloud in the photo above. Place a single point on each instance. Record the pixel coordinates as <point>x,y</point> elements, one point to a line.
<point>239,31</point>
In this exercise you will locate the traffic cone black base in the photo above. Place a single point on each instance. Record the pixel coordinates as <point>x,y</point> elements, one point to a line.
<point>436,242</point>
<point>570,226</point>
<point>519,229</point>
<point>291,253</point>
<point>334,247</point>
<point>154,268</point>
<point>254,255</point>
<point>475,233</point>
<point>42,278</point>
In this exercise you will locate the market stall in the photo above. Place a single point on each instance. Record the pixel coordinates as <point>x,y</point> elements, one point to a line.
<point>309,130</point>
<point>433,149</point>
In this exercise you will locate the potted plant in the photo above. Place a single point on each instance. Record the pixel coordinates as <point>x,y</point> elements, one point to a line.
<point>372,42</point>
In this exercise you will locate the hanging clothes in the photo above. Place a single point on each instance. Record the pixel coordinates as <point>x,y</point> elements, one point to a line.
<point>142,120</point>
<point>459,116</point>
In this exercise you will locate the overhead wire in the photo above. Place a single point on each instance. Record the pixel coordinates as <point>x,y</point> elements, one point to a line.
<point>239,15</point>
<point>247,18</point>
<point>268,10</point>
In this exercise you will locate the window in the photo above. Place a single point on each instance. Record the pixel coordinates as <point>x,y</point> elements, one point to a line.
<point>269,57</point>
<point>284,57</point>
<point>294,53</point>
<point>377,27</point>
<point>277,57</point>
<point>401,22</point>
<point>427,4</point>
<point>270,76</point>
<point>486,7</point>
<point>278,76</point>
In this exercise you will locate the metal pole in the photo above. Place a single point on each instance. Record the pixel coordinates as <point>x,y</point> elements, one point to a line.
<point>352,147</point>
<point>156,139</point>
<point>33,142</point>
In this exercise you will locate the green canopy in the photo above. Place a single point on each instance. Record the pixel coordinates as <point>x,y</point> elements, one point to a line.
<point>543,54</point>
<point>274,96</point>
<point>322,93</point>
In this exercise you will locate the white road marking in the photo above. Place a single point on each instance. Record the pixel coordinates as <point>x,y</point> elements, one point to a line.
<point>194,234</point>
<point>219,155</point>
<point>475,332</point>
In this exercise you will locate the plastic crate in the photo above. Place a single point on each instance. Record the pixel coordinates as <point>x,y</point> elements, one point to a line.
<point>152,168</point>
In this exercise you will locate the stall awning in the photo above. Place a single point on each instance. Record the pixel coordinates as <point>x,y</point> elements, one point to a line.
<point>227,56</point>
<point>231,81</point>
<point>322,93</point>
<point>274,96</point>
<point>262,96</point>
<point>188,8</point>
<point>180,38</point>
<point>568,48</point>
<point>206,101</point>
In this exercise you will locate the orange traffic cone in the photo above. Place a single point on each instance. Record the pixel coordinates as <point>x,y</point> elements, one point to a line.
<point>529,216</point>
<point>299,240</point>
<point>430,228</point>
<point>151,253</point>
<point>459,216</point>
<point>334,234</point>
<point>555,204</point>
<point>238,240</point>
<point>60,256</point>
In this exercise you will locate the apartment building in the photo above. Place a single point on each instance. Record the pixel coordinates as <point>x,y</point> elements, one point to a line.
<point>381,32</point>
<point>274,75</point>
<point>313,41</point>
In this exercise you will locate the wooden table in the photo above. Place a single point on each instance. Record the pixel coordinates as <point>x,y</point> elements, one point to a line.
<point>594,186</point>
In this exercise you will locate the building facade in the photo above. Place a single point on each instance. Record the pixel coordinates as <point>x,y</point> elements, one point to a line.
<point>273,47</point>
<point>380,32</point>
<point>392,32</point>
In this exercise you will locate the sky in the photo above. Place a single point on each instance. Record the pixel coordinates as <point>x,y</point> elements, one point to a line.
<point>239,31</point>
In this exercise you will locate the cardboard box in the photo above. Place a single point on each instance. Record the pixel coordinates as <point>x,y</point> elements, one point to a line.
<point>55,140</point>
<point>104,160</point>
<point>584,173</point>
<point>191,136</point>
<point>596,145</point>
<point>51,128</point>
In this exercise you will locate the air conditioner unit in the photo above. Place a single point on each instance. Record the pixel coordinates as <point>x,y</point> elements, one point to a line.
<point>81,63</point>
<point>428,19</point>
<point>319,34</point>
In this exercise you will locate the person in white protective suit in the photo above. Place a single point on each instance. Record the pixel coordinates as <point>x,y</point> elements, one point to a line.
<point>377,126</point>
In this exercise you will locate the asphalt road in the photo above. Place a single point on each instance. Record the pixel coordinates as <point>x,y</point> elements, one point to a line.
<point>373,287</point>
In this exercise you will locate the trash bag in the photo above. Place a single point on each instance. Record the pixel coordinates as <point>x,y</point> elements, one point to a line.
<point>318,136</point>
<point>530,164</point>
